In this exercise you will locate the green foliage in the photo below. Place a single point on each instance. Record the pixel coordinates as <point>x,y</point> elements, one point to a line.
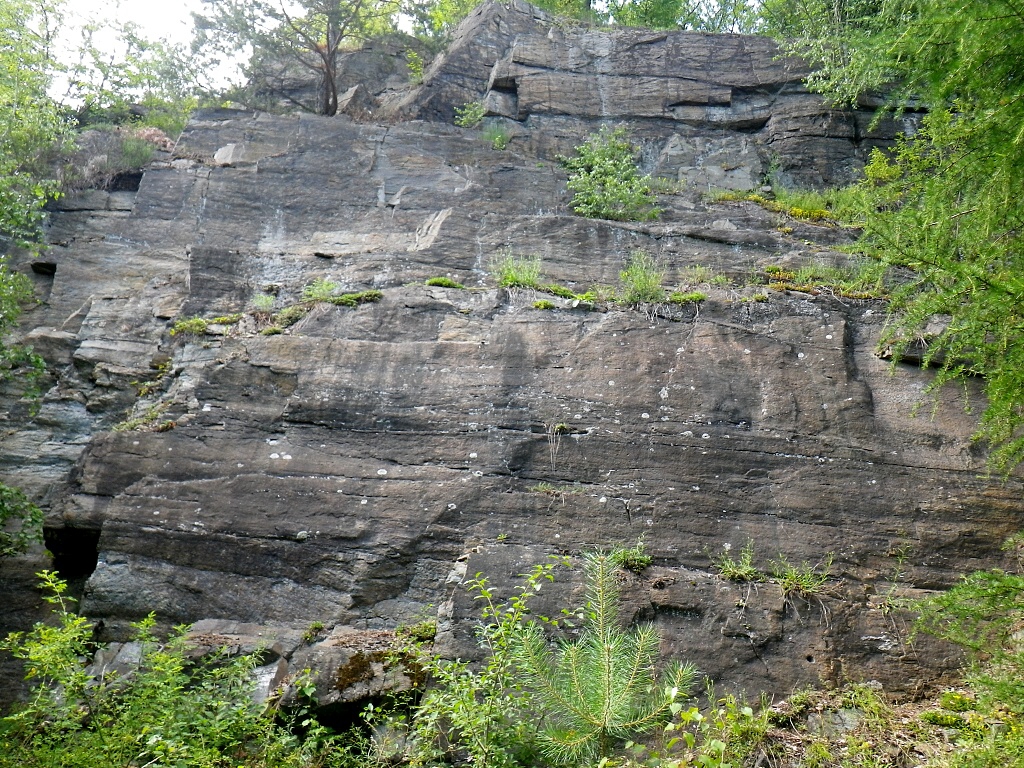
<point>481,710</point>
<point>633,558</point>
<point>355,299</point>
<point>288,317</point>
<point>947,202</point>
<point>115,70</point>
<point>982,614</point>
<point>444,282</point>
<point>517,271</point>
<point>700,15</point>
<point>189,326</point>
<point>560,291</point>
<point>862,279</point>
<point>640,281</point>
<point>147,421</point>
<point>313,632</point>
<point>434,20</point>
<point>420,632</point>
<point>261,302</point>
<point>741,569</point>
<point>957,701</point>
<point>728,733</point>
<point>21,522</point>
<point>136,153</point>
<point>605,179</point>
<point>470,114</point>
<point>273,38</point>
<point>32,127</point>
<point>600,688</point>
<point>320,289</point>
<point>689,297</point>
<point>168,711</point>
<point>698,274</point>
<point>543,304</point>
<point>496,135</point>
<point>17,362</point>
<point>231,319</point>
<point>805,580</point>
<point>415,64</point>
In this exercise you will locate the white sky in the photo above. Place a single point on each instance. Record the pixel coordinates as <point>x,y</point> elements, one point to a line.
<point>168,19</point>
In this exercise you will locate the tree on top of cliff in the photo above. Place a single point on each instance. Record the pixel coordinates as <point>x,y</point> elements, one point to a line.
<point>947,205</point>
<point>276,36</point>
<point>437,18</point>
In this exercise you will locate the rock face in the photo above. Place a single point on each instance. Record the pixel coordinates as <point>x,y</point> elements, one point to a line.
<point>352,469</point>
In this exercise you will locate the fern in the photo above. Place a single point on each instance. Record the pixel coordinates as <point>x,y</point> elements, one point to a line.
<point>601,688</point>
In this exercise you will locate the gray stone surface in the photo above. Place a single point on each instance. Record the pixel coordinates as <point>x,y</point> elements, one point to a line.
<point>351,468</point>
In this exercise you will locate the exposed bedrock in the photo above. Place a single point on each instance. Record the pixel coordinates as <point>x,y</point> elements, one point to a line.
<point>353,468</point>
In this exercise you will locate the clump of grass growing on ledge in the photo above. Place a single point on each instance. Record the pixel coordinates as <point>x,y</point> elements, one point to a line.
<point>517,271</point>
<point>228,319</point>
<point>355,299</point>
<point>443,282</point>
<point>741,569</point>
<point>634,558</point>
<point>543,304</point>
<point>691,297</point>
<point>641,280</point>
<point>289,316</point>
<point>189,326</point>
<point>804,580</point>
<point>320,289</point>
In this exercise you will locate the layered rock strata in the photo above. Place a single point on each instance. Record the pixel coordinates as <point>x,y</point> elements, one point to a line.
<point>355,467</point>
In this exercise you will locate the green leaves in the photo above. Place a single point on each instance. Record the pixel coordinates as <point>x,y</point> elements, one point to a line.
<point>21,522</point>
<point>278,38</point>
<point>947,207</point>
<point>31,125</point>
<point>168,709</point>
<point>606,181</point>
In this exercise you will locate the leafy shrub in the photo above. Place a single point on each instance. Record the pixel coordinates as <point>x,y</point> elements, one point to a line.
<point>605,179</point>
<point>190,326</point>
<point>517,271</point>
<point>313,632</point>
<point>470,115</point>
<point>170,710</point>
<point>479,710</point>
<point>21,522</point>
<point>444,282</point>
<point>641,280</point>
<point>415,64</point>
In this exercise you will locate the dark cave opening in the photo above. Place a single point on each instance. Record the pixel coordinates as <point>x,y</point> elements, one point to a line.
<point>75,554</point>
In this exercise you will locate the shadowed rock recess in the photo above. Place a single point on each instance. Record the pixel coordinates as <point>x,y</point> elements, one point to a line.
<point>351,469</point>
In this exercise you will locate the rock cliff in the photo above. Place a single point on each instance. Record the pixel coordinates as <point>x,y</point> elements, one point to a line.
<point>352,469</point>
